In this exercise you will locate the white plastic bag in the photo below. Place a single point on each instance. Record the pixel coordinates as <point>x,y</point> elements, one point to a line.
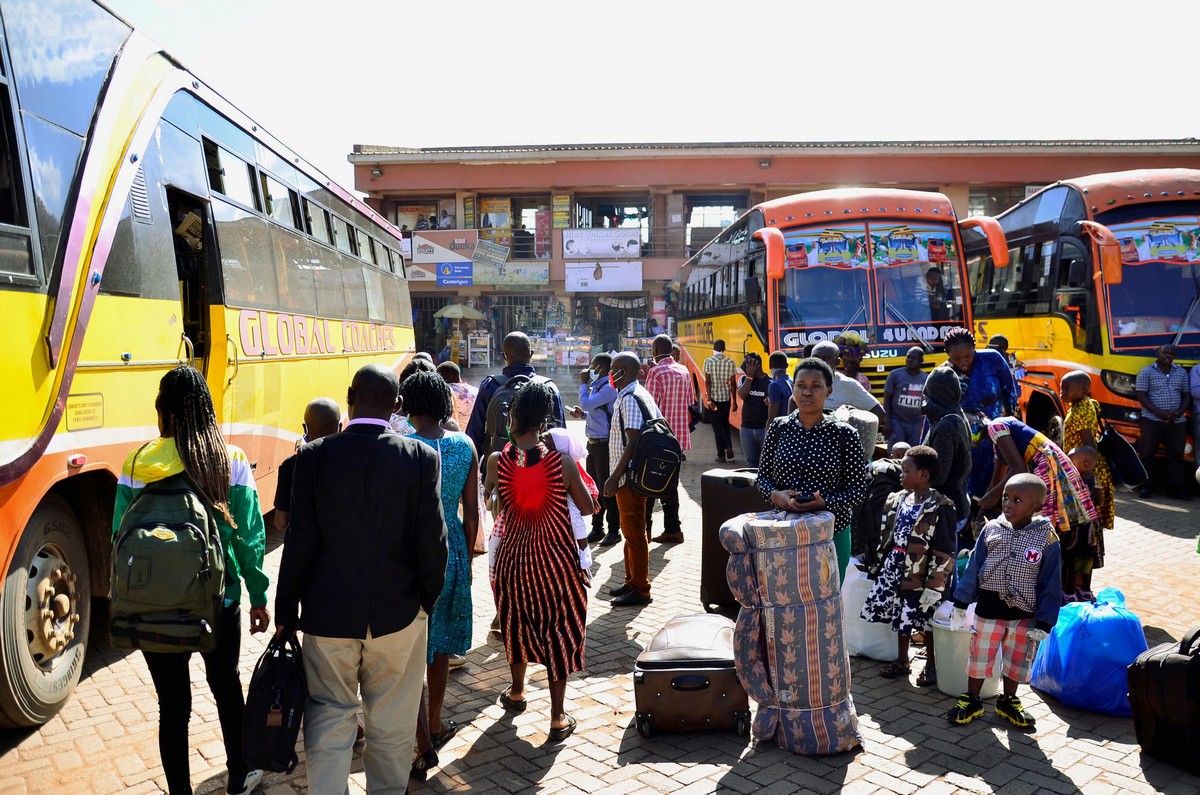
<point>864,638</point>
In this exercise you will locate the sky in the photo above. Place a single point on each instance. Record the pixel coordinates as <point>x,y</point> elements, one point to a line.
<point>324,76</point>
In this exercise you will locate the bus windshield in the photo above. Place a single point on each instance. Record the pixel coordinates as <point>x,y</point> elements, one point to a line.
<point>1160,286</point>
<point>825,284</point>
<point>916,292</point>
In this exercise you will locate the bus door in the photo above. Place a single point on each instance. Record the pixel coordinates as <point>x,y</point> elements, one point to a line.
<point>195,248</point>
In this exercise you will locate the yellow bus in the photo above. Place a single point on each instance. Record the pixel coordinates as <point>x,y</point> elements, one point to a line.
<point>1104,270</point>
<point>803,269</point>
<point>145,222</point>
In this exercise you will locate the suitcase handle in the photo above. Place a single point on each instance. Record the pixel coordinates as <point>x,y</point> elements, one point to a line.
<point>1185,645</point>
<point>690,682</point>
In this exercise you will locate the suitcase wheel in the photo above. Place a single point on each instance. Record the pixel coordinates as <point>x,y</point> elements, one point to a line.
<point>741,723</point>
<point>644,723</point>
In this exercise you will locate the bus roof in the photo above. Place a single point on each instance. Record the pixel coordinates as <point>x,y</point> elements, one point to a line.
<point>1106,191</point>
<point>825,205</point>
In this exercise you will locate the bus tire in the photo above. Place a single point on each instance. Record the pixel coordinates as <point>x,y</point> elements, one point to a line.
<point>45,608</point>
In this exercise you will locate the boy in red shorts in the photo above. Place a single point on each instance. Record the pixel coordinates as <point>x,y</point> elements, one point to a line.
<point>1014,578</point>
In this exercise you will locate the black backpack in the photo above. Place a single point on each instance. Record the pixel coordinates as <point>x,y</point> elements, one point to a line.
<point>656,458</point>
<point>865,531</point>
<point>496,425</point>
<point>275,707</point>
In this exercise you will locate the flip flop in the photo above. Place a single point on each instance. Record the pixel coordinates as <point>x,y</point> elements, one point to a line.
<point>558,735</point>
<point>510,704</point>
<point>443,737</point>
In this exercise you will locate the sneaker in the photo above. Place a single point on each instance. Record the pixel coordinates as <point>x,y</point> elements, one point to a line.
<point>965,710</point>
<point>1011,709</point>
<point>458,660</point>
<point>610,539</point>
<point>248,784</point>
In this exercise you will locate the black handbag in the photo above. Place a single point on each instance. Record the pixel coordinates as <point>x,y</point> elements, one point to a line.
<point>275,704</point>
<point>1122,457</point>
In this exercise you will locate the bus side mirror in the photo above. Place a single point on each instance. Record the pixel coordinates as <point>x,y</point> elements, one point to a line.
<point>1111,266</point>
<point>997,244</point>
<point>753,290</point>
<point>772,239</point>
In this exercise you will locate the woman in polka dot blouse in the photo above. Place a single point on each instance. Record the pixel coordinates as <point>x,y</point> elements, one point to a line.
<point>812,462</point>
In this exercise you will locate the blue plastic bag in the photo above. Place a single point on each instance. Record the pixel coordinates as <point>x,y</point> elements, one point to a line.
<point>1083,662</point>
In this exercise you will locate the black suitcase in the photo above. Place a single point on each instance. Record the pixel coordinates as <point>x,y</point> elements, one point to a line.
<point>275,707</point>
<point>1164,692</point>
<point>724,493</point>
<point>685,679</point>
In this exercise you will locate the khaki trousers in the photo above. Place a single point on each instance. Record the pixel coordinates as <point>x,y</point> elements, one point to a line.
<point>389,671</point>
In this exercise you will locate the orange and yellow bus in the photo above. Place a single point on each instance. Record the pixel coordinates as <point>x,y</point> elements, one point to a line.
<point>1103,270</point>
<point>145,222</point>
<point>803,269</point>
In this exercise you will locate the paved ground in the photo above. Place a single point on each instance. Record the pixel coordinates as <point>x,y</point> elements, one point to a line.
<point>105,739</point>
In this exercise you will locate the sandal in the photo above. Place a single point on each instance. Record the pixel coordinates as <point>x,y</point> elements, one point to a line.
<point>558,735</point>
<point>443,737</point>
<point>893,670</point>
<point>511,704</point>
<point>421,765</point>
<point>927,677</point>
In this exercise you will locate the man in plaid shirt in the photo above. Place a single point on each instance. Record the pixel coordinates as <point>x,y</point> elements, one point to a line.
<point>669,383</point>
<point>719,371</point>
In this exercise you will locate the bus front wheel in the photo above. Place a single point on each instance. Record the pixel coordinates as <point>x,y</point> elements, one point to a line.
<point>44,616</point>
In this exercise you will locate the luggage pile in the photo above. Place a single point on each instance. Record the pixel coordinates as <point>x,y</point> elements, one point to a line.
<point>789,645</point>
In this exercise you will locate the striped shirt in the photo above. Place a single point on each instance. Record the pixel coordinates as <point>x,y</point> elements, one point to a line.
<point>669,383</point>
<point>720,368</point>
<point>1165,390</point>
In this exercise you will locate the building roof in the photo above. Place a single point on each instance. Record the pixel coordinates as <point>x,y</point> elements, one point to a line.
<point>368,153</point>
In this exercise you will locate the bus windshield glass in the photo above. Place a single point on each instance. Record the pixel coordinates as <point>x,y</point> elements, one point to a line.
<point>917,270</point>
<point>825,285</point>
<point>1159,294</point>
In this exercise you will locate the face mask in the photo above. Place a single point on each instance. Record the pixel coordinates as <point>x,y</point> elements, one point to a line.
<point>593,376</point>
<point>612,380</point>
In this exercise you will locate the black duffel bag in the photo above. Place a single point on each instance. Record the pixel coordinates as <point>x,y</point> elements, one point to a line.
<point>1164,691</point>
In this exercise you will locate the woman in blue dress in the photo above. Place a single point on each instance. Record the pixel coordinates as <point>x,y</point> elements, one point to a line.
<point>988,392</point>
<point>427,401</point>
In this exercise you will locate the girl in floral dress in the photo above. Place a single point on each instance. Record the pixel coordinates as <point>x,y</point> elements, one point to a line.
<point>917,556</point>
<point>1082,429</point>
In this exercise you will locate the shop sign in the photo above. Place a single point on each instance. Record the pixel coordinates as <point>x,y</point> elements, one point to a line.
<point>455,274</point>
<point>562,210</point>
<point>601,243</point>
<point>448,245</point>
<point>420,273</point>
<point>603,277</point>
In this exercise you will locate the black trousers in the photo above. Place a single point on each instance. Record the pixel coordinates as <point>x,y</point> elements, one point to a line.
<point>597,466</point>
<point>670,504</point>
<point>1173,437</point>
<point>174,689</point>
<point>719,417</point>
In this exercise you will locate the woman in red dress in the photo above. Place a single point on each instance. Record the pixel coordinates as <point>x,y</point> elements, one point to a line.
<point>540,580</point>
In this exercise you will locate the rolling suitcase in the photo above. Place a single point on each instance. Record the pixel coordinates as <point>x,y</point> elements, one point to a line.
<point>685,679</point>
<point>724,494</point>
<point>1164,692</point>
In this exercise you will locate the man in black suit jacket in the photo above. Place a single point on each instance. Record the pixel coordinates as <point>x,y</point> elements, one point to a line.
<point>365,555</point>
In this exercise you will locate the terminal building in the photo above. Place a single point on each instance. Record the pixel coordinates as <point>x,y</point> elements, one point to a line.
<point>582,246</point>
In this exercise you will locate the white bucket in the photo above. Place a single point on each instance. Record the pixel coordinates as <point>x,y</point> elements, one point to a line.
<point>952,648</point>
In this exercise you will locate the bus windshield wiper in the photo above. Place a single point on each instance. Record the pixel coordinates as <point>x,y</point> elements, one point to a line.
<point>912,330</point>
<point>862,310</point>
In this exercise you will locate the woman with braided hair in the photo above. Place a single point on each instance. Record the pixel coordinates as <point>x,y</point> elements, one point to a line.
<point>988,392</point>
<point>191,442</point>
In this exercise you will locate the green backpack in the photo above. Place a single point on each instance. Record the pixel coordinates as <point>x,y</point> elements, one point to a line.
<point>168,571</point>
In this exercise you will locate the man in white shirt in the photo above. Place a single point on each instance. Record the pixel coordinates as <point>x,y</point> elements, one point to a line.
<point>846,390</point>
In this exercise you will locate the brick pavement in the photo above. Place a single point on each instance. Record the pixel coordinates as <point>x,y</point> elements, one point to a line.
<point>104,740</point>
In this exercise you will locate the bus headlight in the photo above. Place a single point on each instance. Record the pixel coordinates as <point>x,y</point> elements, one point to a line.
<point>1119,383</point>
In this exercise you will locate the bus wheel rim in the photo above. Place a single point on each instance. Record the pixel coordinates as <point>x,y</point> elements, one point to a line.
<point>51,606</point>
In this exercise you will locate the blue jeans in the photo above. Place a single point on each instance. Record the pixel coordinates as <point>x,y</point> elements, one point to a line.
<point>752,442</point>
